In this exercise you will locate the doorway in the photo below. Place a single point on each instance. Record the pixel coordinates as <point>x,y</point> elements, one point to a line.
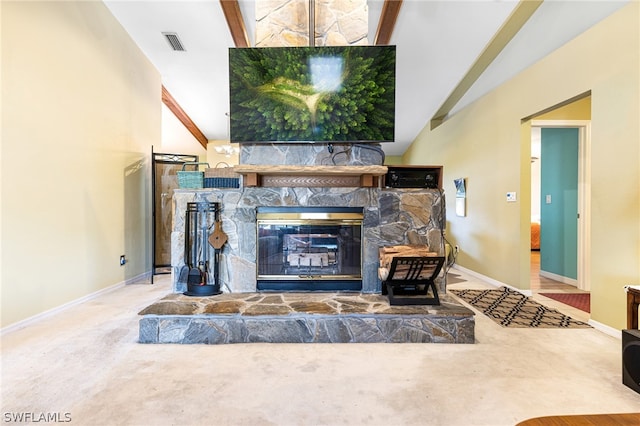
<point>565,207</point>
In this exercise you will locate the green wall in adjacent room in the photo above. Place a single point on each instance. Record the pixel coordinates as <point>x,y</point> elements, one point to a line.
<point>559,202</point>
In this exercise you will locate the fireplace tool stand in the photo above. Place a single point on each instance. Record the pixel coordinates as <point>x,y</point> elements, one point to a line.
<point>203,275</point>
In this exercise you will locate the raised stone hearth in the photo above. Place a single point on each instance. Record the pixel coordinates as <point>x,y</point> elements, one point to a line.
<point>302,318</point>
<point>243,315</point>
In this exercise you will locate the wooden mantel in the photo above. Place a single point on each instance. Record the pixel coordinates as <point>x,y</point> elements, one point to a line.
<point>310,176</point>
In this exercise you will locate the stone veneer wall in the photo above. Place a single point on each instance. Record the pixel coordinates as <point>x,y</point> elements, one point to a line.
<point>391,216</point>
<point>310,154</point>
<point>286,23</point>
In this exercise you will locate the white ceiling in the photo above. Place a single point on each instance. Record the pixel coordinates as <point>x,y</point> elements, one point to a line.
<point>437,42</point>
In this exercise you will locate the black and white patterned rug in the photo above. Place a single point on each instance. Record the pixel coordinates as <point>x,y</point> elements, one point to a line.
<point>510,308</point>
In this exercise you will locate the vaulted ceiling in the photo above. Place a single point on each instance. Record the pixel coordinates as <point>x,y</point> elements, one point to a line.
<point>449,52</point>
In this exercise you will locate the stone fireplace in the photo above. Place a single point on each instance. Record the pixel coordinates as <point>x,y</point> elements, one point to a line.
<point>389,216</point>
<point>315,255</point>
<point>243,314</point>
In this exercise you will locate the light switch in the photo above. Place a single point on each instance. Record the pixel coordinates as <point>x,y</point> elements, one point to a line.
<point>511,197</point>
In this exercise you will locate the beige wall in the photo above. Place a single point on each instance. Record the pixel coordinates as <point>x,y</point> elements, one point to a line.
<point>81,109</point>
<point>215,158</point>
<point>393,160</point>
<point>176,139</point>
<point>486,143</point>
<point>577,110</point>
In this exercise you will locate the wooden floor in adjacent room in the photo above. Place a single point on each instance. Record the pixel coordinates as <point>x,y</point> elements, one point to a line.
<point>541,284</point>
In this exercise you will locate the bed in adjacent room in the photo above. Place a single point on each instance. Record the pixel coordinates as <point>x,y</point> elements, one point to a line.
<point>535,236</point>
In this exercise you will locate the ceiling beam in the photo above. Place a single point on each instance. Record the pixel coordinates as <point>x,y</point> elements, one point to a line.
<point>388,16</point>
<point>173,106</point>
<point>520,15</point>
<point>233,15</point>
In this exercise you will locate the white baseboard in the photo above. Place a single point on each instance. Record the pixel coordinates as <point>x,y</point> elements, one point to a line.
<point>145,276</point>
<point>490,280</point>
<point>53,311</point>
<point>613,332</point>
<point>560,278</point>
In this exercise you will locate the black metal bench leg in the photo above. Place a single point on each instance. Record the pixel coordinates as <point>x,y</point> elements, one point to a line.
<point>416,300</point>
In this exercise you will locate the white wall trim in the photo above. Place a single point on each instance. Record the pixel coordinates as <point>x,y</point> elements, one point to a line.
<point>51,312</point>
<point>489,280</point>
<point>560,278</point>
<point>613,332</point>
<point>145,276</point>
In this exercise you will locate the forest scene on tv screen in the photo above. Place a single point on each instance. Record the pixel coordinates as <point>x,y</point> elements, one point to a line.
<point>312,94</point>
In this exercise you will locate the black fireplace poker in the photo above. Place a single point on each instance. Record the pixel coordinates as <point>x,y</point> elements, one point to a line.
<point>203,277</point>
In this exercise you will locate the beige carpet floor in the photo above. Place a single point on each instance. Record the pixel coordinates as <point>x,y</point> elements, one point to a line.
<point>84,363</point>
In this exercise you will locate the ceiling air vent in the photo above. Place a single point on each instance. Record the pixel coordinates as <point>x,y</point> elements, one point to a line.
<point>174,41</point>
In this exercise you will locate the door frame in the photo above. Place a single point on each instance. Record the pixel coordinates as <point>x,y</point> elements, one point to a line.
<point>584,194</point>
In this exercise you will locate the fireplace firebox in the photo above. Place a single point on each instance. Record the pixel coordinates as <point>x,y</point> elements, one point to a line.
<point>309,248</point>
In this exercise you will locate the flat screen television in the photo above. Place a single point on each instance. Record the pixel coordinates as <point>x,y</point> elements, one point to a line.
<point>312,94</point>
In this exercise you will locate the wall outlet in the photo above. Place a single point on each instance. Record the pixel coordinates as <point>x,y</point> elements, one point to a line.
<point>123,260</point>
<point>511,197</point>
<point>456,249</point>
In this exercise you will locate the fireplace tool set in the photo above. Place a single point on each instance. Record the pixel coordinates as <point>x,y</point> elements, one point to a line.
<point>198,273</point>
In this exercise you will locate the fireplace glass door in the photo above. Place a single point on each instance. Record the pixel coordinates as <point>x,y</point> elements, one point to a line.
<point>315,250</point>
